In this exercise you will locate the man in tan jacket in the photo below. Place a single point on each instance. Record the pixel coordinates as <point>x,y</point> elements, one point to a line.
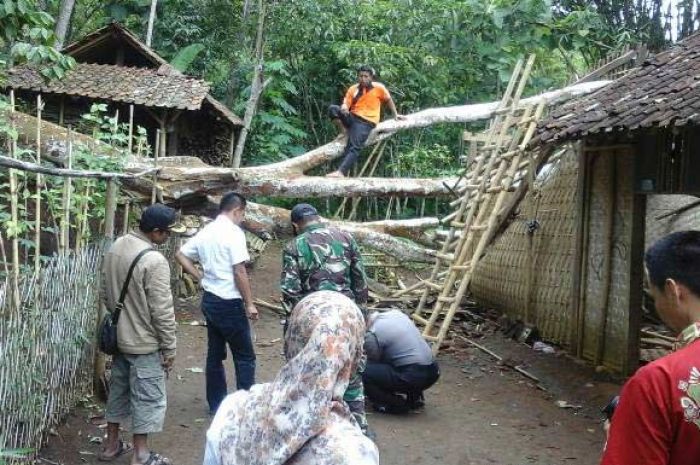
<point>145,334</point>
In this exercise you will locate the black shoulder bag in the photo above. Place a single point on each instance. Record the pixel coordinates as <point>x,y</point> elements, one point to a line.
<point>108,330</point>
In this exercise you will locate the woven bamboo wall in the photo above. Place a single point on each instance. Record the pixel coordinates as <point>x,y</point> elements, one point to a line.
<point>525,273</point>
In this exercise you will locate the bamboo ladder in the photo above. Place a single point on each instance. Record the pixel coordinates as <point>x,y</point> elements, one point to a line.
<point>472,174</point>
<point>477,217</point>
<point>444,258</point>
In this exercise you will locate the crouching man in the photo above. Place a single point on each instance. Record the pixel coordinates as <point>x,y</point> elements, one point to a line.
<point>400,364</point>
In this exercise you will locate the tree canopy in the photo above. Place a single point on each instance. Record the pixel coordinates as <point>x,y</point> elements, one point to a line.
<point>428,52</point>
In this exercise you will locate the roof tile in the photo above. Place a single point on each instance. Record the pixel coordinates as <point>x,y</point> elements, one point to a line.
<point>142,86</point>
<point>664,90</point>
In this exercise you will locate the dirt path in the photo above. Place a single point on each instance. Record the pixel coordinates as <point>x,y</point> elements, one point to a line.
<point>478,413</point>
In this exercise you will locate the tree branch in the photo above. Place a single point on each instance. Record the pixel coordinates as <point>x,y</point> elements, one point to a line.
<point>8,162</point>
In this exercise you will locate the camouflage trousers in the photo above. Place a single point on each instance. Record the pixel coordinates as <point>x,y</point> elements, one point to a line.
<point>355,396</point>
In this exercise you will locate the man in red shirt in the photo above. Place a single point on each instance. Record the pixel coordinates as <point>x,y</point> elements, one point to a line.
<point>359,114</point>
<point>657,421</point>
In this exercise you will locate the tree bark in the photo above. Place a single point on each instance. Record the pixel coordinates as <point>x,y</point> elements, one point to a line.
<point>64,15</point>
<point>151,22</point>
<point>55,137</point>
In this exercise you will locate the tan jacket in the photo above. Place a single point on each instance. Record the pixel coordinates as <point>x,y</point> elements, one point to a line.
<point>147,323</point>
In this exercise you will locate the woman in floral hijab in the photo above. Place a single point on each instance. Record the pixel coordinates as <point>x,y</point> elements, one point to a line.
<point>300,417</point>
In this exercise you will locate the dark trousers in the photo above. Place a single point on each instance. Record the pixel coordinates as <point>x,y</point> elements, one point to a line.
<point>358,132</point>
<point>227,323</point>
<point>398,388</point>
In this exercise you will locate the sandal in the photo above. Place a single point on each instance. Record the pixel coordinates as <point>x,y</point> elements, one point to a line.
<point>123,448</point>
<point>157,459</point>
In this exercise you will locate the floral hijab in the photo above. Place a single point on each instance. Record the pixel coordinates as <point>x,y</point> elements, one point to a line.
<point>300,417</point>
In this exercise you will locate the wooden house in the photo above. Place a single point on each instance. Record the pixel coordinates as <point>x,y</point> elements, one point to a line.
<point>578,274</point>
<point>115,67</point>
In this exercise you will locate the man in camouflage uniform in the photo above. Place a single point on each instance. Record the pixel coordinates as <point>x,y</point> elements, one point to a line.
<point>321,258</point>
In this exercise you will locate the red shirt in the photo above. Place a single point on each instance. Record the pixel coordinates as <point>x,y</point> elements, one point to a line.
<point>657,421</point>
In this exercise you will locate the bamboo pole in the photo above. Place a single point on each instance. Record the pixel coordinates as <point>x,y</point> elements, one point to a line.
<point>63,172</point>
<point>356,201</point>
<point>61,110</point>
<point>14,207</point>
<point>131,128</point>
<point>37,212</point>
<point>67,188</point>
<point>369,160</point>
<point>99,366</point>
<point>110,208</point>
<point>5,266</point>
<point>115,126</point>
<point>125,226</point>
<point>154,193</point>
<point>84,207</point>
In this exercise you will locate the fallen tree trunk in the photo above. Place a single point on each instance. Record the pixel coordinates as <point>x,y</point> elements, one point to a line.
<point>378,235</point>
<point>421,119</point>
<point>180,177</point>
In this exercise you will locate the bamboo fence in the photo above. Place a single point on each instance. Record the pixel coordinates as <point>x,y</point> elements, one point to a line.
<point>50,255</point>
<point>46,350</point>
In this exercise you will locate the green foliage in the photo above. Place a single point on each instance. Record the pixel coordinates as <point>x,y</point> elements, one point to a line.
<point>88,196</point>
<point>435,161</point>
<point>26,35</point>
<point>186,56</point>
<point>105,128</point>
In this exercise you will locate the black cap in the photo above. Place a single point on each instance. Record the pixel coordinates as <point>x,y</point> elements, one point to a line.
<point>301,211</point>
<point>158,216</point>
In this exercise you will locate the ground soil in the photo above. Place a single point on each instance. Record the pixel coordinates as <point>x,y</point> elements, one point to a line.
<point>479,412</point>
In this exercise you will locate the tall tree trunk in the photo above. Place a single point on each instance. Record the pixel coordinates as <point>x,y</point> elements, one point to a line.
<point>256,88</point>
<point>151,22</point>
<point>64,15</point>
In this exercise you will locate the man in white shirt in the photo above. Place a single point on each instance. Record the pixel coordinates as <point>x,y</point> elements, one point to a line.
<point>227,302</point>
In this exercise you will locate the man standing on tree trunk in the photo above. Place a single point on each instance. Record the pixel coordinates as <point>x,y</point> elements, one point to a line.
<point>359,114</point>
<point>321,258</point>
<point>227,301</point>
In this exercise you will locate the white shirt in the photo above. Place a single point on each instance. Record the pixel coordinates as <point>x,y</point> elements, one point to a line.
<point>218,247</point>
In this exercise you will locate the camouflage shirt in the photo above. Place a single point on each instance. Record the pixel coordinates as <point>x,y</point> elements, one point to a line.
<point>322,259</point>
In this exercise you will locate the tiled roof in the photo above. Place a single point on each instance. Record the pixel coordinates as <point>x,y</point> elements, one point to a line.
<point>664,91</point>
<point>117,30</point>
<point>140,86</point>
